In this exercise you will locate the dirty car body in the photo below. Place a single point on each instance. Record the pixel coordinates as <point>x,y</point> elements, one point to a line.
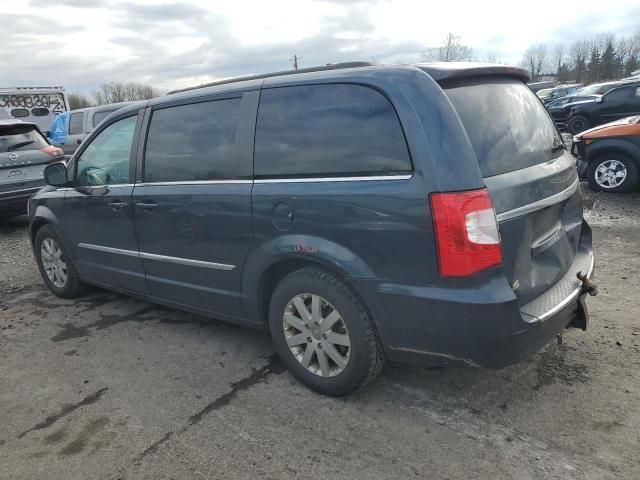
<point>486,289</point>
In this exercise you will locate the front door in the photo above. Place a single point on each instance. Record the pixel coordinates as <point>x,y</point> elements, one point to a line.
<point>98,208</point>
<point>192,207</point>
<point>615,104</point>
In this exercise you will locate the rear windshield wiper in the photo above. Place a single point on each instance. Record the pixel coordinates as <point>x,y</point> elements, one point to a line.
<point>11,148</point>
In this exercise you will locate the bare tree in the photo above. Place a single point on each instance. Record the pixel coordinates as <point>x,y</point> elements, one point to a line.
<point>535,61</point>
<point>578,53</point>
<point>77,100</point>
<point>452,50</point>
<point>558,57</point>
<point>115,92</point>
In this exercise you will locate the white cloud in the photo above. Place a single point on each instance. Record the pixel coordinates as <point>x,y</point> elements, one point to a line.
<point>175,43</point>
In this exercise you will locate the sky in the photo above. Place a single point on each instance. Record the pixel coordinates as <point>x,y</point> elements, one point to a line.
<point>177,43</point>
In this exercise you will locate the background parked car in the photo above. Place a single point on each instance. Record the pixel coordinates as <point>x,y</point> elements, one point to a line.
<point>559,113</point>
<point>609,155</point>
<point>623,101</point>
<point>38,105</point>
<point>24,152</point>
<point>549,94</point>
<point>597,88</point>
<point>83,121</point>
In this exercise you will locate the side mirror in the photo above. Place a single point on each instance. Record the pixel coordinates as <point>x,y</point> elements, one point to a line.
<point>56,175</point>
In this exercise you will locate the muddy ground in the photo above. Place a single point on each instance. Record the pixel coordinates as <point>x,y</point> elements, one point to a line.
<point>108,387</point>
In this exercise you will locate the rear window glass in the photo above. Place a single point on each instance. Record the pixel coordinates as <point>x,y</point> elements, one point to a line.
<point>193,142</point>
<point>328,130</point>
<point>99,116</point>
<point>20,137</point>
<point>19,112</point>
<point>40,112</point>
<point>507,125</point>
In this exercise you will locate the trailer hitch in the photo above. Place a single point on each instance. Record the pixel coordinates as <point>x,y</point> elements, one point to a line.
<point>587,285</point>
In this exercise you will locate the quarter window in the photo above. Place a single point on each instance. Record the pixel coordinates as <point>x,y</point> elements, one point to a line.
<point>193,142</point>
<point>328,130</point>
<point>75,123</point>
<point>107,158</point>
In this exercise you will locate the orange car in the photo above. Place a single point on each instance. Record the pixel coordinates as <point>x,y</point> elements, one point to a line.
<point>609,155</point>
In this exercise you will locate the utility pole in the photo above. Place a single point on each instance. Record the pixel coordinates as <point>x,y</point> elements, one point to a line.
<point>295,59</point>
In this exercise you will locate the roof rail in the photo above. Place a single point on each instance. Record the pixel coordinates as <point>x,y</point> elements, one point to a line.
<point>330,66</point>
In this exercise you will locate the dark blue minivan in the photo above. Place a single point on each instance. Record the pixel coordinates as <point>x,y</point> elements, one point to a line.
<point>412,213</point>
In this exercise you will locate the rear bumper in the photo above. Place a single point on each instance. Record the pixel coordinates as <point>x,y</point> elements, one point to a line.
<point>480,326</point>
<point>14,202</point>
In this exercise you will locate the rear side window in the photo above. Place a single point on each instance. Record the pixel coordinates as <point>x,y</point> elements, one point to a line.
<point>193,142</point>
<point>15,138</point>
<point>99,116</point>
<point>618,95</point>
<point>75,123</point>
<point>328,130</point>
<point>508,127</point>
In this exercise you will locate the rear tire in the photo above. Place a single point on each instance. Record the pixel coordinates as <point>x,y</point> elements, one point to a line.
<point>578,124</point>
<point>612,172</point>
<point>316,319</point>
<point>55,265</point>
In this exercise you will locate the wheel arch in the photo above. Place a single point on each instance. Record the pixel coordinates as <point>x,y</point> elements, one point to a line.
<point>273,261</point>
<point>602,147</point>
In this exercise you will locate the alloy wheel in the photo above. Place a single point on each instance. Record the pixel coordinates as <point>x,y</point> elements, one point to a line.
<point>53,262</point>
<point>610,174</point>
<point>317,335</point>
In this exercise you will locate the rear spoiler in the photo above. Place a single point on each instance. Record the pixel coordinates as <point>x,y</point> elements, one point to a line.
<point>445,71</point>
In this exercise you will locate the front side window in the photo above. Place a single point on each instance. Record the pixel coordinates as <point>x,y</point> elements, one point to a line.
<point>75,123</point>
<point>107,158</point>
<point>328,130</point>
<point>194,142</point>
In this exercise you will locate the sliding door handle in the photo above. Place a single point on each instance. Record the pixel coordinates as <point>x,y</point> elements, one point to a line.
<point>147,205</point>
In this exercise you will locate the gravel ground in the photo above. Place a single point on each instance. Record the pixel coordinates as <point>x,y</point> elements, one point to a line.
<point>110,387</point>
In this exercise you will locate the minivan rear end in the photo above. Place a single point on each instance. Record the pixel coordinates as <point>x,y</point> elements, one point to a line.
<point>505,297</point>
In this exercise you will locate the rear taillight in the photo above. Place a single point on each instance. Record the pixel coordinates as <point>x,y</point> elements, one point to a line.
<point>53,151</point>
<point>466,232</point>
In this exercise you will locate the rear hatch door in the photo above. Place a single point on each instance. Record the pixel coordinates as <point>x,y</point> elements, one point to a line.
<point>532,179</point>
<point>21,159</point>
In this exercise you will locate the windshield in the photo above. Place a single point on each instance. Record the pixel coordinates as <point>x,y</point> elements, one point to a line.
<point>20,137</point>
<point>545,91</point>
<point>508,127</point>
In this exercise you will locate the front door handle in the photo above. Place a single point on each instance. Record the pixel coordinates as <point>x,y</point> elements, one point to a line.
<point>117,205</point>
<point>147,205</point>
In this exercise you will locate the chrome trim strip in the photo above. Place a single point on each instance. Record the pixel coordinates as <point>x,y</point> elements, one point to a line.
<point>161,258</point>
<point>571,296</point>
<point>186,261</point>
<point>23,190</point>
<point>540,204</point>
<point>334,179</point>
<point>100,248</point>
<point>197,182</point>
<point>91,187</point>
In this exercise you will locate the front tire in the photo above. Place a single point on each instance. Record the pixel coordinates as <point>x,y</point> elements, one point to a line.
<point>55,265</point>
<point>612,172</point>
<point>323,333</point>
<point>578,124</point>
